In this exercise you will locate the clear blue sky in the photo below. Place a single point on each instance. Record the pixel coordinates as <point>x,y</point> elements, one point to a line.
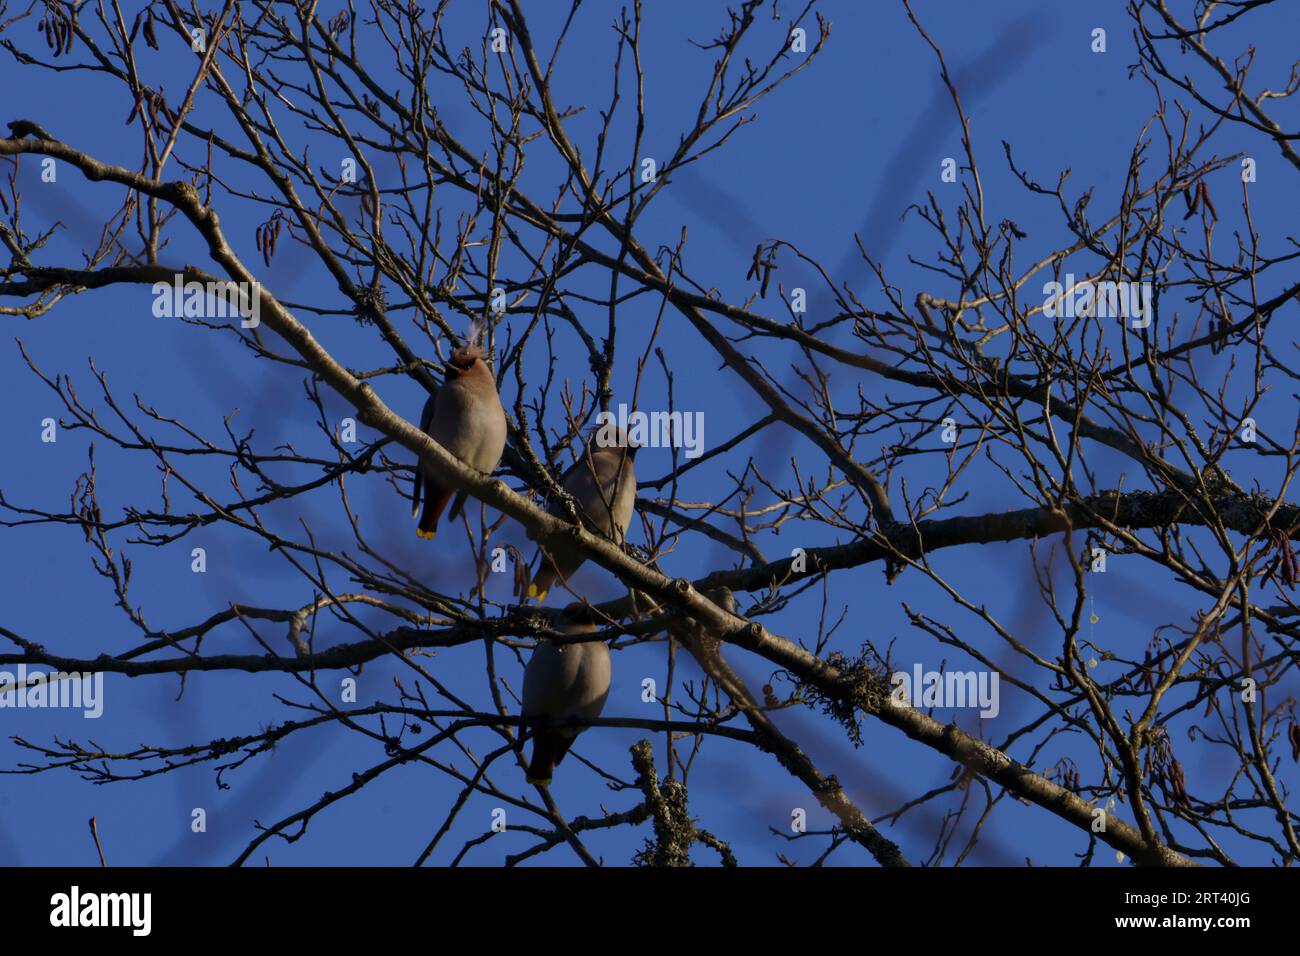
<point>844,147</point>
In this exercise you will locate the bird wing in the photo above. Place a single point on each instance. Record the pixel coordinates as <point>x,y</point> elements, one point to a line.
<point>569,681</point>
<point>547,679</point>
<point>426,419</point>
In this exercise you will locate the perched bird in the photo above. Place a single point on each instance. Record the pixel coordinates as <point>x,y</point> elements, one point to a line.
<point>20,128</point>
<point>465,417</point>
<point>603,485</point>
<point>562,682</point>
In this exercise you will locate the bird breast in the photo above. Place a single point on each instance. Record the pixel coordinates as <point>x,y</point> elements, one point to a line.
<point>470,423</point>
<point>605,499</point>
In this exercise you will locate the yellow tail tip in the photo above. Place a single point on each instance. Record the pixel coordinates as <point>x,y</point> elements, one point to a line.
<point>536,595</point>
<point>425,535</point>
<point>539,782</point>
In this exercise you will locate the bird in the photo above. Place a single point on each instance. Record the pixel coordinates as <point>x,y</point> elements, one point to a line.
<point>21,128</point>
<point>561,682</point>
<point>465,417</point>
<point>603,485</point>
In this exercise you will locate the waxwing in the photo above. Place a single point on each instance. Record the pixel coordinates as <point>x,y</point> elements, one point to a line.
<point>603,485</point>
<point>563,681</point>
<point>465,417</point>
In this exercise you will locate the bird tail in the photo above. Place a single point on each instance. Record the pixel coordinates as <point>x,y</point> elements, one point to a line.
<point>543,580</point>
<point>549,748</point>
<point>435,499</point>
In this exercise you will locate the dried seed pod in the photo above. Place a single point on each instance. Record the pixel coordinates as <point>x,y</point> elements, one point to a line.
<point>1179,783</point>
<point>150,37</point>
<point>1205,194</point>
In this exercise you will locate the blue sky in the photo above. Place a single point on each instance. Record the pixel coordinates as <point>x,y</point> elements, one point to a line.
<point>845,147</point>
